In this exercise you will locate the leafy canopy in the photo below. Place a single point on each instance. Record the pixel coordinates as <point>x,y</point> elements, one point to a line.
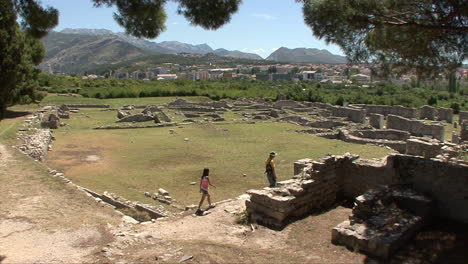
<point>430,35</point>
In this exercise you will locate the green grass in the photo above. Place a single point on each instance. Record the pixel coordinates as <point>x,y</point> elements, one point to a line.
<point>142,160</point>
<point>136,161</point>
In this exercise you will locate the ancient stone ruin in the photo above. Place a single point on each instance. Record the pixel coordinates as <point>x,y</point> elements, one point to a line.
<point>383,220</point>
<point>317,185</point>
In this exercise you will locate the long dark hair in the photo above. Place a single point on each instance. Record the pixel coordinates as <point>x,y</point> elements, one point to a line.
<point>206,171</point>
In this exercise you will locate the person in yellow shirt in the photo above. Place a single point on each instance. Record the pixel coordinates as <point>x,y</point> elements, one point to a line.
<point>270,169</point>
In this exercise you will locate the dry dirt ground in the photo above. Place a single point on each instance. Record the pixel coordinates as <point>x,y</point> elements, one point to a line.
<point>44,220</point>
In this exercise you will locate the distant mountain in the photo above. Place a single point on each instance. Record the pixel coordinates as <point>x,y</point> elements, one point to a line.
<point>77,53</point>
<point>237,54</point>
<point>305,55</point>
<point>165,47</point>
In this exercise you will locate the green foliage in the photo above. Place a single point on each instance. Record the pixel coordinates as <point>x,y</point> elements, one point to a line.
<point>19,52</point>
<point>381,94</point>
<point>243,218</point>
<point>395,34</point>
<point>455,107</point>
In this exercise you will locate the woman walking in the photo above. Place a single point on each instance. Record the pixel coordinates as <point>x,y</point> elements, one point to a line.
<point>204,186</point>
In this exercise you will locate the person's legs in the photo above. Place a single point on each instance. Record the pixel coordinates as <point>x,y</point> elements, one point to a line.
<point>209,199</point>
<point>201,201</point>
<point>271,180</point>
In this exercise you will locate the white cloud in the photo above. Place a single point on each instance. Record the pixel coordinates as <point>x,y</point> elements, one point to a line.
<point>264,16</point>
<point>175,23</point>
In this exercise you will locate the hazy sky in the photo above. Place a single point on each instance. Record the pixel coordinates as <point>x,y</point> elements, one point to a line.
<point>260,26</point>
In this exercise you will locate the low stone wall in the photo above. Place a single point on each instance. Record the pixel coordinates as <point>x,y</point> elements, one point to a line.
<point>295,119</point>
<point>386,110</point>
<point>416,127</point>
<point>388,134</point>
<point>318,184</point>
<point>424,148</point>
<point>352,114</point>
<point>35,142</point>
<point>330,124</point>
<point>87,105</point>
<point>354,137</point>
<point>136,126</point>
<point>287,104</point>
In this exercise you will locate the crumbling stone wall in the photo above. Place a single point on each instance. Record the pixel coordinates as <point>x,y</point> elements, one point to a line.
<point>389,134</point>
<point>464,132</point>
<point>445,114</point>
<point>35,142</point>
<point>416,127</point>
<point>427,112</point>
<point>462,117</point>
<point>391,110</point>
<point>376,121</point>
<point>421,147</point>
<point>445,182</point>
<point>296,198</point>
<point>319,183</point>
<point>352,114</point>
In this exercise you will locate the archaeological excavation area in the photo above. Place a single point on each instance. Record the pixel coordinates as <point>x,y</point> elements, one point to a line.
<point>399,168</point>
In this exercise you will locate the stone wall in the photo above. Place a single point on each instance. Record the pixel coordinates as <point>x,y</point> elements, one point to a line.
<point>286,104</point>
<point>389,134</point>
<point>445,114</point>
<point>376,121</point>
<point>274,207</point>
<point>356,137</point>
<point>427,112</point>
<point>35,142</point>
<point>462,117</point>
<point>87,106</point>
<point>391,110</point>
<point>416,127</point>
<point>352,114</point>
<point>445,182</point>
<point>424,148</point>
<point>317,184</point>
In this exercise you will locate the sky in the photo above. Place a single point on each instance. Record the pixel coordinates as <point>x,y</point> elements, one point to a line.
<point>259,26</point>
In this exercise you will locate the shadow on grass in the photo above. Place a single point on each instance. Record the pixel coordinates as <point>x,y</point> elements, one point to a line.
<point>15,114</point>
<point>441,241</point>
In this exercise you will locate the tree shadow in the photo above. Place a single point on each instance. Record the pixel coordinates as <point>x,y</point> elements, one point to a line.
<point>15,114</point>
<point>2,258</point>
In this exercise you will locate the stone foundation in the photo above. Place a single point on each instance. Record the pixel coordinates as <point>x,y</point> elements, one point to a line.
<point>352,114</point>
<point>317,185</point>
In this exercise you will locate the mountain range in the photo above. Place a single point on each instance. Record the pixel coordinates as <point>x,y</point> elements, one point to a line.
<point>78,50</point>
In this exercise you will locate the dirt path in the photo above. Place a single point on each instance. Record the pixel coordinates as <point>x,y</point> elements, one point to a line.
<point>43,220</point>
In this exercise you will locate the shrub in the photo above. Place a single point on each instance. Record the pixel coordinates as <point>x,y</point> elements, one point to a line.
<point>455,107</point>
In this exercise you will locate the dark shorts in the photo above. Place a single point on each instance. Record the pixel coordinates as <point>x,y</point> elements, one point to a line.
<point>204,191</point>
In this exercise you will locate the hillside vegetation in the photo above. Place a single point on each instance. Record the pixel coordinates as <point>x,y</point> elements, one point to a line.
<point>434,94</point>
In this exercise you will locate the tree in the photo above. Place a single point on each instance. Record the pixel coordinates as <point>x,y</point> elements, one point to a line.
<point>429,35</point>
<point>19,51</point>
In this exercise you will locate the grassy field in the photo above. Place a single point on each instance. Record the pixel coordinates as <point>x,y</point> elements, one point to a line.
<point>131,162</point>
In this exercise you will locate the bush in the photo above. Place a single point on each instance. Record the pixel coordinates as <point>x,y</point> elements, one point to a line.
<point>455,107</point>
<point>432,100</point>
